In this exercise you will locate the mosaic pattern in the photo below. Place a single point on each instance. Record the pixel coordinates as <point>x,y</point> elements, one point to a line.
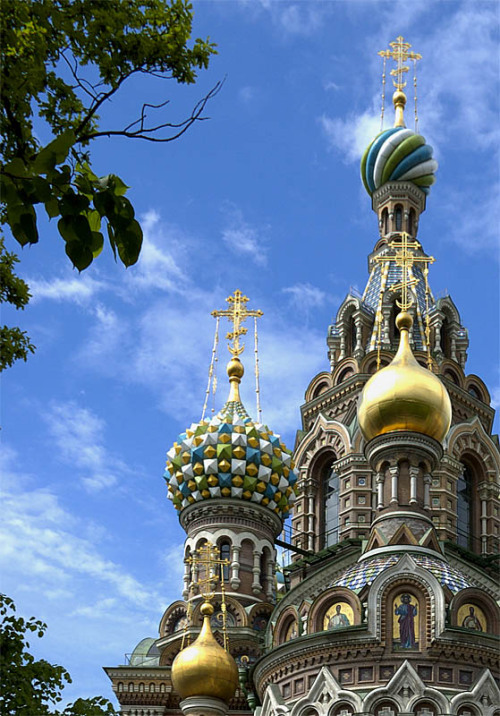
<point>231,456</point>
<point>363,573</point>
<point>398,154</point>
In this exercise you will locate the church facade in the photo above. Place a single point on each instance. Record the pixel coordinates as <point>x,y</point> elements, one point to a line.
<point>389,606</point>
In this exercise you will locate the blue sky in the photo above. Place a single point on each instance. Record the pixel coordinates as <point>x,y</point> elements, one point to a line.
<point>265,197</point>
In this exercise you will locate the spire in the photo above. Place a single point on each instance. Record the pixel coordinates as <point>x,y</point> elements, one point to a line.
<point>400,52</point>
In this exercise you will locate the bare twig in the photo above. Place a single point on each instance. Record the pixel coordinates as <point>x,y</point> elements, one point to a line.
<point>144,132</point>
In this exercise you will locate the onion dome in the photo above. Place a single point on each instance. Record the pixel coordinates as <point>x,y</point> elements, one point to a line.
<point>404,395</point>
<point>231,456</point>
<point>398,154</point>
<point>205,668</point>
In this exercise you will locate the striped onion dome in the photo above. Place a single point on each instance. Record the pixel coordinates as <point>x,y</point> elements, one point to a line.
<point>398,154</point>
<point>230,456</point>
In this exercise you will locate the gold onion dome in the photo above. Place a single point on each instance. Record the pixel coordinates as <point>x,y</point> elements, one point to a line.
<point>231,456</point>
<point>205,668</point>
<point>404,395</point>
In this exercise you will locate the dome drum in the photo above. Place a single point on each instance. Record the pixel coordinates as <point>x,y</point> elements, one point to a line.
<point>416,447</point>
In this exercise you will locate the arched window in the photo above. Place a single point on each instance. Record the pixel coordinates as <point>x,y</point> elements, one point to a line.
<point>331,485</point>
<point>351,336</point>
<point>225,554</point>
<point>398,217</point>
<point>386,708</point>
<point>385,222</point>
<point>464,508</point>
<point>474,392</point>
<point>411,222</point>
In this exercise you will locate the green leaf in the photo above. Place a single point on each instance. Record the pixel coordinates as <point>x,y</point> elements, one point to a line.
<point>16,168</point>
<point>22,221</point>
<point>129,242</point>
<point>52,207</point>
<point>75,229</point>
<point>54,153</point>
<point>73,204</point>
<point>97,243</point>
<point>112,241</point>
<point>94,219</point>
<point>117,185</point>
<point>80,255</point>
<point>37,189</point>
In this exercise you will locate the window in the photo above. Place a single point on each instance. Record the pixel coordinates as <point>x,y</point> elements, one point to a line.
<point>331,492</point>
<point>411,222</point>
<point>398,217</point>
<point>225,554</point>
<point>464,508</point>
<point>385,222</point>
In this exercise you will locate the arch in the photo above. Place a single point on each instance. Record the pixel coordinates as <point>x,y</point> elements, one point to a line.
<point>323,603</point>
<point>398,217</point>
<point>386,707</point>
<point>412,222</point>
<point>475,597</point>
<point>287,626</point>
<point>224,545</point>
<point>120,686</point>
<point>341,372</point>
<point>475,387</point>
<point>425,708</point>
<point>385,221</point>
<point>324,434</point>
<point>318,385</point>
<point>172,617</point>
<point>406,573</point>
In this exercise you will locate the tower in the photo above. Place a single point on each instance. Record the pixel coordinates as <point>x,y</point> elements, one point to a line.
<point>391,605</point>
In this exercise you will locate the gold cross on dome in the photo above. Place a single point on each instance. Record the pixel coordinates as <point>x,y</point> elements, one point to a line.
<point>236,313</point>
<point>400,53</point>
<point>405,256</point>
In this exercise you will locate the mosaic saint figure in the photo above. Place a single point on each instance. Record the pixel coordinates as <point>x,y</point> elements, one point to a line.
<point>338,620</point>
<point>471,621</point>
<point>407,613</point>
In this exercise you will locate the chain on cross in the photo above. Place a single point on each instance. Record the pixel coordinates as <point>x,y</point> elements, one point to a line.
<point>236,313</point>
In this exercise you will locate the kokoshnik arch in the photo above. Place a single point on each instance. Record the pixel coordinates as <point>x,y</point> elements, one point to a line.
<point>389,605</point>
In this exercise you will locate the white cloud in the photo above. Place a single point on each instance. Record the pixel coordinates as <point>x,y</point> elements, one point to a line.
<point>158,267</point>
<point>79,438</point>
<point>352,135</point>
<point>77,289</point>
<point>305,296</point>
<point>242,238</point>
<point>247,94</point>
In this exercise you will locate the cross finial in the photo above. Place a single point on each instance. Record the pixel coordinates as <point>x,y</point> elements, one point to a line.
<point>400,53</point>
<point>236,313</point>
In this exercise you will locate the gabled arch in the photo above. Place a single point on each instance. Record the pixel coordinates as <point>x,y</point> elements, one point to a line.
<point>323,434</point>
<point>419,576</point>
<point>325,684</point>
<point>405,688</point>
<point>484,692</point>
<point>472,437</point>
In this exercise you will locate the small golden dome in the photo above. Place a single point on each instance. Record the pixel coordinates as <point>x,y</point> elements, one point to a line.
<point>404,396</point>
<point>205,668</point>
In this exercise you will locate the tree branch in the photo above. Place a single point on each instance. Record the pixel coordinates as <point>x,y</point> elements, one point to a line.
<point>144,132</point>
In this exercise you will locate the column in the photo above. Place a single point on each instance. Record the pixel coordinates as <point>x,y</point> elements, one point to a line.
<point>386,341</point>
<point>394,472</point>
<point>186,578</point>
<point>358,351</point>
<point>380,479</point>
<point>235,566</point>
<point>270,580</point>
<point>310,527</point>
<point>427,491</point>
<point>413,485</point>
<point>342,343</point>
<point>256,586</point>
<point>484,521</point>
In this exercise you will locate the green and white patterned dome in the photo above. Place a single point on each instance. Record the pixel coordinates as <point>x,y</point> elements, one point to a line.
<point>230,456</point>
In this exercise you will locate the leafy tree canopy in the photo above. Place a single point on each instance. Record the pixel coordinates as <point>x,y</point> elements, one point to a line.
<point>14,343</point>
<point>45,44</point>
<point>29,686</point>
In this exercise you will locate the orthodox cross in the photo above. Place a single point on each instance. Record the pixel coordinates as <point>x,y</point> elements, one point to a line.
<point>404,256</point>
<point>207,572</point>
<point>400,53</point>
<point>236,313</point>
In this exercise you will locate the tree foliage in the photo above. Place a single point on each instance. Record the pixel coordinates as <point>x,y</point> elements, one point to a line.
<point>14,343</point>
<point>30,686</point>
<point>62,61</point>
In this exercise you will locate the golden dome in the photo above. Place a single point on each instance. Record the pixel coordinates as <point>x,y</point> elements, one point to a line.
<point>404,396</point>
<point>205,668</point>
